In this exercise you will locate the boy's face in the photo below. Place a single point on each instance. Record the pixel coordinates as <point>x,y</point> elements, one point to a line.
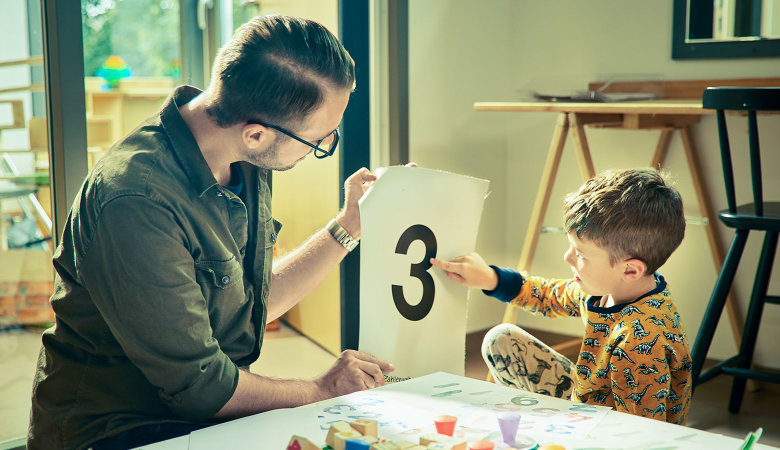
<point>591,267</point>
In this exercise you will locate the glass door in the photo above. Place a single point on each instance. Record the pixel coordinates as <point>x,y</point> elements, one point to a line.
<point>132,61</point>
<point>26,273</point>
<point>25,196</point>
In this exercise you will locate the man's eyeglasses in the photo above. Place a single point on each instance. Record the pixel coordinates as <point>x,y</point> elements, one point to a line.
<point>322,149</point>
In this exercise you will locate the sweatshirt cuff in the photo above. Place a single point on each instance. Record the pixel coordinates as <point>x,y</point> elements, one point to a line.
<point>509,284</point>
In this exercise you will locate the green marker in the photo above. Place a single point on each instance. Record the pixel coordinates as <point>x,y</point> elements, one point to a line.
<point>751,439</point>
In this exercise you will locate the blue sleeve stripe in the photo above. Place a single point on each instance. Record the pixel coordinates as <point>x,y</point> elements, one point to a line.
<point>509,284</point>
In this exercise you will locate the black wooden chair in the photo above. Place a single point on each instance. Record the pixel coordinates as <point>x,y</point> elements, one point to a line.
<point>760,215</point>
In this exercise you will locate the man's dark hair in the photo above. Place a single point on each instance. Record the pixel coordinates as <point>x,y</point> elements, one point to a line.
<point>275,69</point>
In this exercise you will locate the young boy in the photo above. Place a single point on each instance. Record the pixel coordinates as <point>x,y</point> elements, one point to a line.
<point>621,226</point>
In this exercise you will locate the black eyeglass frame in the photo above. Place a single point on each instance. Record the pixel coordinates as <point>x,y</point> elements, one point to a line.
<point>322,153</point>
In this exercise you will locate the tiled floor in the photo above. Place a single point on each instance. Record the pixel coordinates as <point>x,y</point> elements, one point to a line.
<point>287,354</point>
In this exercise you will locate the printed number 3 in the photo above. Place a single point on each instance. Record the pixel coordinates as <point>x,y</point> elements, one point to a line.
<point>419,271</point>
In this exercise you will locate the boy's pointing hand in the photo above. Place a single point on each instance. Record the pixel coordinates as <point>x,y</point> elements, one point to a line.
<point>469,270</point>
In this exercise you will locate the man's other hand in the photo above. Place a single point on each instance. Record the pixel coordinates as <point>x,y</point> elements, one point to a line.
<point>354,188</point>
<point>353,371</point>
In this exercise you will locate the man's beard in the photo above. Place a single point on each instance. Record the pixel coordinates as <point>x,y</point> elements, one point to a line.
<point>268,159</point>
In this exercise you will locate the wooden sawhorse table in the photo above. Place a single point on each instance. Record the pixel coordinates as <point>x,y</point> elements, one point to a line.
<point>667,116</point>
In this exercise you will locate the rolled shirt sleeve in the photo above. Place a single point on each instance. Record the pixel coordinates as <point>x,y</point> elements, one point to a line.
<point>154,306</point>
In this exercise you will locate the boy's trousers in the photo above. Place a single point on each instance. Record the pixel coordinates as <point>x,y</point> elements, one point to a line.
<point>517,359</point>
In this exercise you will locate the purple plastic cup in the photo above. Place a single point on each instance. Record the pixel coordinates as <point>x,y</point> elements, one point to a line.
<point>508,423</point>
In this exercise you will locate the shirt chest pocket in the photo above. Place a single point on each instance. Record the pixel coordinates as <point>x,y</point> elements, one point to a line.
<point>222,285</point>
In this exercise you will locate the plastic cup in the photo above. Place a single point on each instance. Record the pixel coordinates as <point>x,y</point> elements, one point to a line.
<point>445,424</point>
<point>508,423</point>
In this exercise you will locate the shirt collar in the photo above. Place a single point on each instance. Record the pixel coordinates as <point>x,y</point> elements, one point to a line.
<point>185,147</point>
<point>593,302</point>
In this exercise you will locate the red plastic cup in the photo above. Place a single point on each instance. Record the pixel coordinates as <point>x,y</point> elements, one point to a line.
<point>445,424</point>
<point>481,445</point>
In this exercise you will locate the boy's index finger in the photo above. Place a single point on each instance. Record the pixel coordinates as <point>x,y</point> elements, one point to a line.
<point>444,265</point>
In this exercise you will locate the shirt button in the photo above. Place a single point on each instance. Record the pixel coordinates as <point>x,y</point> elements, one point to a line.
<point>226,279</point>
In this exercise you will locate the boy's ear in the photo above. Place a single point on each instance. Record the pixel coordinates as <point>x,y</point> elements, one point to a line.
<point>634,269</point>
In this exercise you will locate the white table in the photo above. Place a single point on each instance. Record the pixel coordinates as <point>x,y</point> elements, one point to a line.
<point>406,410</point>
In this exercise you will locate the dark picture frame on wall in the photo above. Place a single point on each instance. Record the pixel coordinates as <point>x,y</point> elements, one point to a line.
<point>692,35</point>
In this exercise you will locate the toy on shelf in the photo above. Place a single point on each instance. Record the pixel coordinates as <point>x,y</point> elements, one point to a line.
<point>113,70</point>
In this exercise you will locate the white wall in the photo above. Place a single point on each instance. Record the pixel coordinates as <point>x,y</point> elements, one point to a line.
<point>462,52</point>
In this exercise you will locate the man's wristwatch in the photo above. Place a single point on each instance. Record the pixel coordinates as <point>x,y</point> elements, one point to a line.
<point>341,235</point>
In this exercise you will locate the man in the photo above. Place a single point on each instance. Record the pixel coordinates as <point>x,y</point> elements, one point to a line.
<point>164,279</point>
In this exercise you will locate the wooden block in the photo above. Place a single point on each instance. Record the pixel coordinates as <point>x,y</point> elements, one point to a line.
<point>394,445</point>
<point>383,444</point>
<point>366,427</point>
<point>339,439</point>
<point>356,444</point>
<point>337,427</point>
<point>431,438</point>
<point>301,443</point>
<point>449,442</point>
<point>439,446</point>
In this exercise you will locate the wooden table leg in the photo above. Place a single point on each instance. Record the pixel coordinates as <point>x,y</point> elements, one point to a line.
<point>540,207</point>
<point>713,234</point>
<point>545,191</point>
<point>542,201</point>
<point>584,160</point>
<point>662,149</point>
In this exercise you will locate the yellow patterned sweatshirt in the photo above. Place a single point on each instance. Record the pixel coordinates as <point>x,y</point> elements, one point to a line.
<point>634,356</point>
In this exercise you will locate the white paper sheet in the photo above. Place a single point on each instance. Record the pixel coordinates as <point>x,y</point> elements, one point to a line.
<point>410,313</point>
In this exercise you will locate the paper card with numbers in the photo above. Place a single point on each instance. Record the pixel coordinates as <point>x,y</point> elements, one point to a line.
<point>411,314</point>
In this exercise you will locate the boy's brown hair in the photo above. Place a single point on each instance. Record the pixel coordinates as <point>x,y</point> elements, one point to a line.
<point>632,214</point>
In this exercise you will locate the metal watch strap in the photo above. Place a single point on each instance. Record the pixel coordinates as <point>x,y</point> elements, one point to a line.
<point>341,235</point>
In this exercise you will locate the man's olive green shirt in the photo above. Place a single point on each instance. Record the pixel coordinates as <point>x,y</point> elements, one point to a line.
<point>161,292</point>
